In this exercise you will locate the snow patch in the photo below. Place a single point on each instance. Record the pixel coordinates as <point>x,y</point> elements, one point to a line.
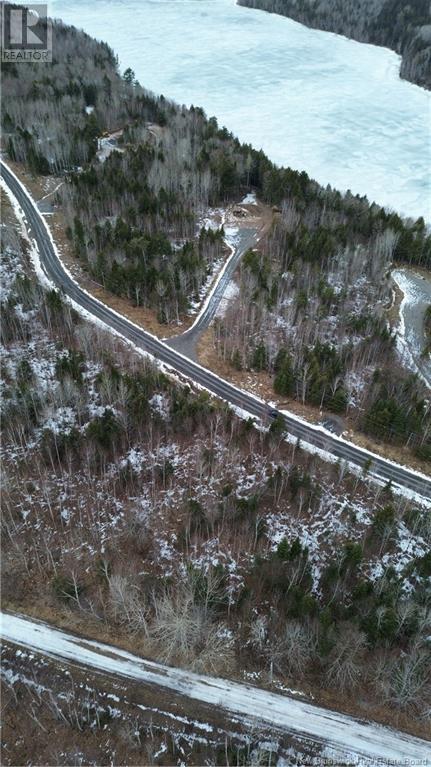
<point>341,733</point>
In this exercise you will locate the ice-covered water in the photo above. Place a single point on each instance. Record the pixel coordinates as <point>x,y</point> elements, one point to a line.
<point>310,99</point>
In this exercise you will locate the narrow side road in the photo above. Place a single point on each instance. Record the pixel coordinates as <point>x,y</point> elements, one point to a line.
<point>343,734</point>
<point>186,342</point>
<point>333,447</point>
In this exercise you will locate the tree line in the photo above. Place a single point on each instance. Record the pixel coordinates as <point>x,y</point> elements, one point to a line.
<point>132,219</point>
<point>94,482</point>
<point>303,316</point>
<point>397,24</point>
<point>133,222</point>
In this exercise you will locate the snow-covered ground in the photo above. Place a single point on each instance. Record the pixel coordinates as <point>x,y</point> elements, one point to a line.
<point>411,339</point>
<point>230,293</point>
<point>249,199</point>
<point>215,218</point>
<point>346,736</point>
<point>108,144</point>
<point>312,100</point>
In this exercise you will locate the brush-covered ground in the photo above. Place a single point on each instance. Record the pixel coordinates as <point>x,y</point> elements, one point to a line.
<point>133,177</point>
<point>139,511</point>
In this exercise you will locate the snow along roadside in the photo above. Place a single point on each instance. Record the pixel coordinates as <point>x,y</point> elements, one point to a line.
<point>233,248</point>
<point>170,370</point>
<point>346,735</point>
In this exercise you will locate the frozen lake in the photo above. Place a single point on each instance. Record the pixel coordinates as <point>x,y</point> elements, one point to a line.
<point>312,100</point>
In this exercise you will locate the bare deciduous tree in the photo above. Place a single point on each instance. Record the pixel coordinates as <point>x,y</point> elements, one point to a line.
<point>345,661</point>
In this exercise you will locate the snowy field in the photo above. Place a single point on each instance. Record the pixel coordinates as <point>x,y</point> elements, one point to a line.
<point>310,99</point>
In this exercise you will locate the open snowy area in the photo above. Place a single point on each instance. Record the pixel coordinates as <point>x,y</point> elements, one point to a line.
<point>338,110</point>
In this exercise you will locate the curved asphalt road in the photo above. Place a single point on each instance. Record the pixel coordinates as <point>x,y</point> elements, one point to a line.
<point>316,436</point>
<point>186,342</point>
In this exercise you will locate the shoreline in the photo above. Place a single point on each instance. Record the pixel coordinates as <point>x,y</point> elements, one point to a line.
<point>401,58</point>
<point>364,129</point>
<point>411,330</point>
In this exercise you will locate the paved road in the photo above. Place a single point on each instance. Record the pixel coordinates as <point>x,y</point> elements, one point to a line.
<point>316,436</point>
<point>186,342</point>
<point>343,734</point>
